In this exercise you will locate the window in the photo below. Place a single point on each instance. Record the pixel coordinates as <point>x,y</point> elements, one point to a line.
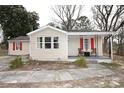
<point>39,42</point>
<point>55,42</point>
<point>47,42</point>
<point>17,45</point>
<point>86,44</point>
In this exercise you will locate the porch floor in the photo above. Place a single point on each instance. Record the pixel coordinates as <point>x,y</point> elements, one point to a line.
<point>92,59</point>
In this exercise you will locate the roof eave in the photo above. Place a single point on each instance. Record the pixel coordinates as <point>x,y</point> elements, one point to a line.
<point>91,33</point>
<point>17,40</point>
<point>35,31</point>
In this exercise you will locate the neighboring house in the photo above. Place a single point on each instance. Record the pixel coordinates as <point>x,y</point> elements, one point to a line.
<point>19,46</point>
<point>49,43</point>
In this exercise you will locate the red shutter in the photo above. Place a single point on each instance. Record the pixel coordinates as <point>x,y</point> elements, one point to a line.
<point>81,43</point>
<point>20,45</point>
<point>92,43</point>
<point>14,46</point>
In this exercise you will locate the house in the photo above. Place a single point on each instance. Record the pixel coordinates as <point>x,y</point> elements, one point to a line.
<point>49,43</point>
<point>19,46</point>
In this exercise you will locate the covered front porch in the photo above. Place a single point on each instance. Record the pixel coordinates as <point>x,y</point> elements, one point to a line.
<point>79,45</point>
<point>88,44</point>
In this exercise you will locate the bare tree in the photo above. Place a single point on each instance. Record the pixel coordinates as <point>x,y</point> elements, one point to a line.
<point>84,23</point>
<point>120,43</point>
<point>67,13</point>
<point>107,18</point>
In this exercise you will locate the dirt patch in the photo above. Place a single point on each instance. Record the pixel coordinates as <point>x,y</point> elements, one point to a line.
<point>37,66</point>
<point>111,65</point>
<point>3,52</point>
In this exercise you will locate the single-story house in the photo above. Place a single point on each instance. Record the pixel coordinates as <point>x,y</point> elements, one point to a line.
<point>49,43</point>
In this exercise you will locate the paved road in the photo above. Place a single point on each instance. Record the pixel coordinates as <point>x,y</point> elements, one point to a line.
<point>93,70</point>
<point>4,62</point>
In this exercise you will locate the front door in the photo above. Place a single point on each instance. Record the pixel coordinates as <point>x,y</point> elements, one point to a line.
<point>86,44</point>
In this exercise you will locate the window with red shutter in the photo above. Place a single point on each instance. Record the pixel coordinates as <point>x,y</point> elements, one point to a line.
<point>20,45</point>
<point>14,45</point>
<point>81,43</point>
<point>92,43</point>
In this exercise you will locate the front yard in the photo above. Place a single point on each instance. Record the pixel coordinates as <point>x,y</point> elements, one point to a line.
<point>23,64</point>
<point>116,80</point>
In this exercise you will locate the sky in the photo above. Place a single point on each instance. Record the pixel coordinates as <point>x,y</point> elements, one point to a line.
<point>42,7</point>
<point>47,15</point>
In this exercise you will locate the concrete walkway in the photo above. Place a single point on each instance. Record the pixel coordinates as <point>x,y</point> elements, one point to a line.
<point>93,70</point>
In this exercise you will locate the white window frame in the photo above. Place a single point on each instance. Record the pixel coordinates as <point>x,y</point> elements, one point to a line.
<point>39,42</point>
<point>48,42</point>
<point>56,42</point>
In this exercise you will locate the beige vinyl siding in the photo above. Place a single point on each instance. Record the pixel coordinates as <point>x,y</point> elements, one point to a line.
<point>73,45</point>
<point>60,53</point>
<point>24,51</point>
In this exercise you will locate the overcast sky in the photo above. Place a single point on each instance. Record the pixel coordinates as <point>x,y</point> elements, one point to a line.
<point>42,7</point>
<point>47,15</point>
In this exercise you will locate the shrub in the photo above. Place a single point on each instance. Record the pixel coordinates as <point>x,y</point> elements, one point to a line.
<point>16,63</point>
<point>81,62</point>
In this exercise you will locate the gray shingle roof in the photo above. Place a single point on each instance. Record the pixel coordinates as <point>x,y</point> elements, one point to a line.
<point>21,38</point>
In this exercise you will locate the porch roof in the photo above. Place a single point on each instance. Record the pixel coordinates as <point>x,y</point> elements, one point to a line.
<point>91,33</point>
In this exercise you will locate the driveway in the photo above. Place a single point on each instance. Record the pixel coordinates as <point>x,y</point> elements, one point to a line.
<point>4,61</point>
<point>93,70</point>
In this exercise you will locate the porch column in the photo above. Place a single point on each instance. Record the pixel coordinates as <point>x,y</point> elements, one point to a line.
<point>111,45</point>
<point>96,45</point>
<point>99,46</point>
<point>67,44</point>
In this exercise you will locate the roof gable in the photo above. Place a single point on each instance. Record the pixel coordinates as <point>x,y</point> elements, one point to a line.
<point>42,28</point>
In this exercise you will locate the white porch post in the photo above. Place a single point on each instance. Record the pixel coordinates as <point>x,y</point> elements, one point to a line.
<point>96,45</point>
<point>67,46</point>
<point>111,48</point>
